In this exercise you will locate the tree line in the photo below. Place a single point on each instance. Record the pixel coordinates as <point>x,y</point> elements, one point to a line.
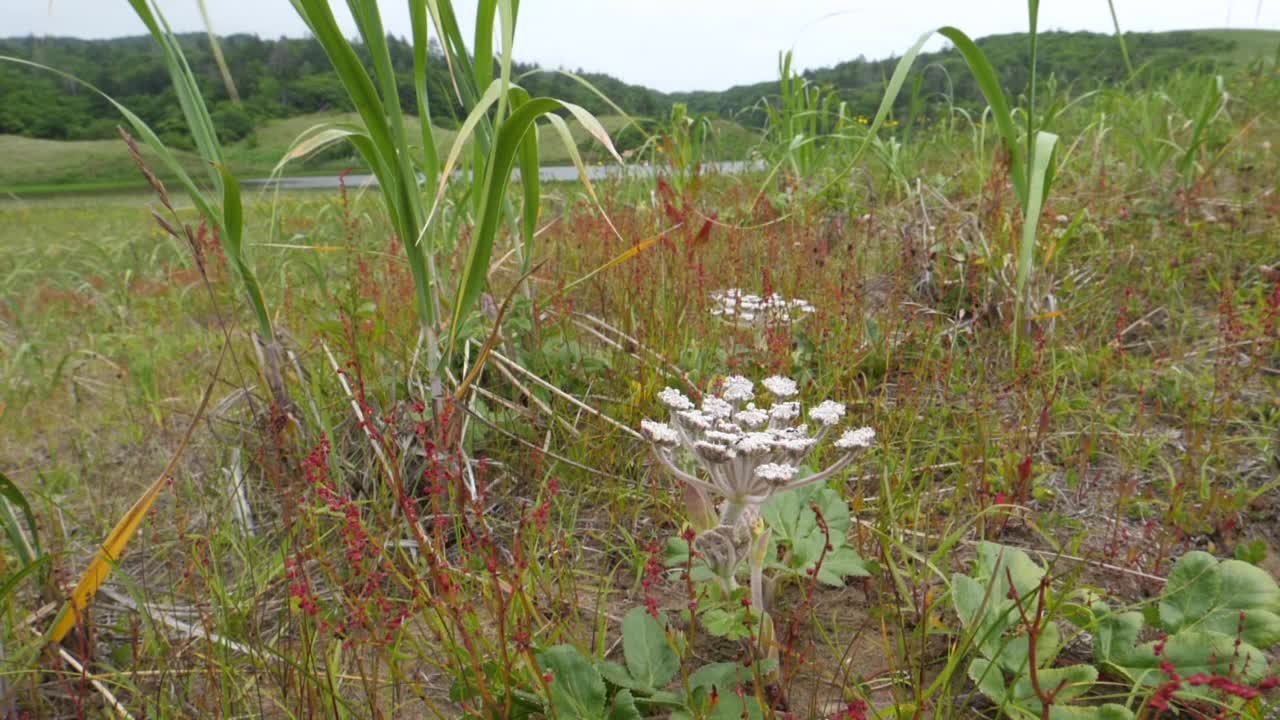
<point>285,77</point>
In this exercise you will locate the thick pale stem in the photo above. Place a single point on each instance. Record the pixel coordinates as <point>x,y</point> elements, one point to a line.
<point>757,588</point>
<point>681,475</point>
<point>759,548</point>
<point>733,509</point>
<point>836,467</point>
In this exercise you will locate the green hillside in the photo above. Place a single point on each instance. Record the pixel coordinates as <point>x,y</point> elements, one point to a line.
<point>1247,44</point>
<point>55,133</point>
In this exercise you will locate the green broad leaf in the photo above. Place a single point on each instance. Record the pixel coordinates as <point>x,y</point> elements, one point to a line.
<point>985,608</point>
<point>994,560</point>
<point>661,700</point>
<point>1075,681</point>
<point>842,563</point>
<point>721,703</point>
<point>795,528</point>
<point>1014,658</point>
<point>1192,652</point>
<point>675,553</point>
<point>989,679</point>
<point>733,707</point>
<point>650,658</point>
<point>784,514</point>
<point>615,674</point>
<point>835,511</point>
<point>624,707</point>
<point>576,689</point>
<point>967,595</point>
<point>1115,634</point>
<point>720,675</point>
<point>804,551</point>
<point>1229,597</point>
<point>725,624</point>
<point>1109,711</point>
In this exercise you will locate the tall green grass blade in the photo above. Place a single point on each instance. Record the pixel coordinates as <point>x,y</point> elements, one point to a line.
<point>233,231</point>
<point>216,48</point>
<point>500,130</point>
<point>200,125</point>
<point>614,107</point>
<point>566,137</point>
<point>1124,47</point>
<point>314,139</point>
<point>497,175</point>
<point>1041,178</point>
<point>483,44</point>
<point>891,91</point>
<point>26,545</point>
<point>386,151</point>
<point>530,183</point>
<point>13,580</point>
<point>421,41</point>
<point>190,99</point>
<point>465,133</point>
<point>1211,101</point>
<point>1033,15</point>
<point>989,83</point>
<point>455,51</point>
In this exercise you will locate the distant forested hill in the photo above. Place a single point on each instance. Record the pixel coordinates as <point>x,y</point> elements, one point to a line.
<point>289,77</point>
<point>1084,59</point>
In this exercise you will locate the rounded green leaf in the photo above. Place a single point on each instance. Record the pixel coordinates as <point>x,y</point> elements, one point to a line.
<point>576,689</point>
<point>650,659</point>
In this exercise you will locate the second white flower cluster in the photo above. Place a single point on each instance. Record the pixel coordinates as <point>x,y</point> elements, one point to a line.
<point>749,309</point>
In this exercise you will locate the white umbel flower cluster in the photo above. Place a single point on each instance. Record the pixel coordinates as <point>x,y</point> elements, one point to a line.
<point>742,453</point>
<point>751,310</point>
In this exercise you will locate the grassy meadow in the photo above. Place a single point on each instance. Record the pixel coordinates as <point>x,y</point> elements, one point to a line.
<point>1070,509</point>
<point>44,167</point>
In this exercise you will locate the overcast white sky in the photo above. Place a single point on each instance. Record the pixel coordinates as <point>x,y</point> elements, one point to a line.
<point>680,44</point>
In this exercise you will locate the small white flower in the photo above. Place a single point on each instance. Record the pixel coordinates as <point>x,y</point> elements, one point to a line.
<point>713,453</point>
<point>737,389</point>
<point>674,399</point>
<point>752,418</point>
<point>716,408</point>
<point>828,412</point>
<point>775,472</point>
<point>796,445</point>
<point>785,411</point>
<point>659,433</point>
<point>695,419</point>
<point>783,387</point>
<point>725,426</point>
<point>756,443</point>
<point>722,437</point>
<point>853,439</point>
<point>750,309</point>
